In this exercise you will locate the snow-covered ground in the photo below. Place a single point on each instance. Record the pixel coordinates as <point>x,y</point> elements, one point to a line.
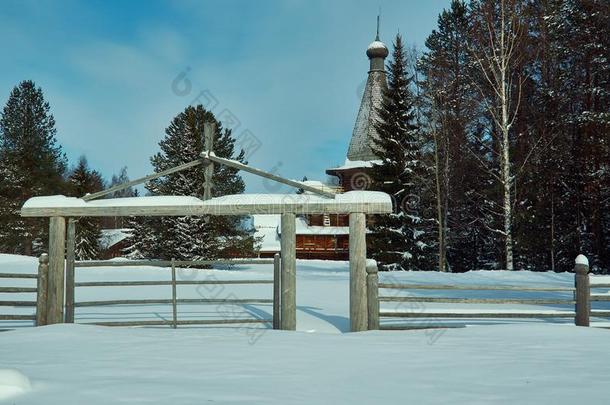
<point>534,361</point>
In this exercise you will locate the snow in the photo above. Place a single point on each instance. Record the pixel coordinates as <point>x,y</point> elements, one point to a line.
<point>522,361</point>
<point>582,259</point>
<point>111,237</point>
<point>266,228</point>
<point>376,45</point>
<point>357,197</point>
<point>355,164</point>
<point>12,383</point>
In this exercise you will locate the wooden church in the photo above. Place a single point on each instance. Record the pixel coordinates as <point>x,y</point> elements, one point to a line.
<point>327,236</point>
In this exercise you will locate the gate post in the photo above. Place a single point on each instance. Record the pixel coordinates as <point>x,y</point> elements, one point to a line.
<point>70,258</point>
<point>41,290</point>
<point>288,315</point>
<point>57,246</point>
<point>583,291</point>
<point>357,272</point>
<point>277,290</point>
<point>372,294</point>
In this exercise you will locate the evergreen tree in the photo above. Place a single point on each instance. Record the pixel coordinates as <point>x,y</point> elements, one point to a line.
<point>83,180</point>
<point>400,240</point>
<point>31,164</point>
<point>192,237</point>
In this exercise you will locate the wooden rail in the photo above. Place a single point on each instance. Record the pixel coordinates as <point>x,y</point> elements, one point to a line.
<point>40,290</point>
<point>168,263</point>
<point>182,322</point>
<point>173,283</point>
<point>18,275</point>
<point>581,301</point>
<point>473,287</point>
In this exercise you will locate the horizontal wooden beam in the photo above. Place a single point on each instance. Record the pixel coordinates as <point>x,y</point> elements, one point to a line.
<point>183,322</point>
<point>141,180</point>
<point>17,290</point>
<point>18,275</point>
<point>366,202</point>
<point>524,301</point>
<point>168,263</point>
<point>478,314</point>
<point>169,282</point>
<point>261,173</point>
<point>17,317</point>
<point>241,301</point>
<point>17,303</point>
<point>419,327</point>
<point>472,287</point>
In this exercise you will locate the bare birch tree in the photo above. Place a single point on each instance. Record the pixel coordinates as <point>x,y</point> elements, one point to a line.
<point>498,30</point>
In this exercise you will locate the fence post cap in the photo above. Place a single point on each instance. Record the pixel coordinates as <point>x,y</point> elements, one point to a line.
<point>44,258</point>
<point>582,259</point>
<point>371,266</point>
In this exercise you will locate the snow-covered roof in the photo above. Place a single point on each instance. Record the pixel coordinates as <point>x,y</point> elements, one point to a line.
<point>370,202</point>
<point>110,237</point>
<point>266,228</point>
<point>356,164</point>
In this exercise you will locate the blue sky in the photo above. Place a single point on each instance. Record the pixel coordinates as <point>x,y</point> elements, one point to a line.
<point>285,73</point>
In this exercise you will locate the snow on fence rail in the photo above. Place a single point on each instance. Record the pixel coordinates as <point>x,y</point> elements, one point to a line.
<point>71,303</point>
<point>581,300</point>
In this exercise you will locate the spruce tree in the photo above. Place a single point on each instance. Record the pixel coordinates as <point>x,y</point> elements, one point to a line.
<point>31,164</point>
<point>400,240</point>
<point>83,180</point>
<point>192,237</point>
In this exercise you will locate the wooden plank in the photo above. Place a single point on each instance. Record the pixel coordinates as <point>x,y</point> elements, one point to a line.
<point>471,287</point>
<point>18,275</point>
<point>419,327</point>
<point>42,298</point>
<point>17,290</point>
<point>182,322</point>
<point>600,314</point>
<point>372,298</point>
<point>240,301</point>
<point>4,317</point>
<point>583,291</point>
<point>158,283</point>
<point>168,263</point>
<point>277,290</point>
<point>70,259</point>
<point>57,246</point>
<point>266,175</point>
<point>357,272</point>
<point>288,265</point>
<point>499,315</point>
<point>17,303</point>
<point>209,129</point>
<point>524,301</point>
<point>141,180</point>
<point>295,204</point>
<point>174,297</point>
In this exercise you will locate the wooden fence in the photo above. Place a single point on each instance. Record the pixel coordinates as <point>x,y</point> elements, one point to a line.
<point>581,300</point>
<point>40,290</point>
<point>173,299</point>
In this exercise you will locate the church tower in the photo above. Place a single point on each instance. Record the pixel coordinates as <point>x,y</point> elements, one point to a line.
<point>360,154</point>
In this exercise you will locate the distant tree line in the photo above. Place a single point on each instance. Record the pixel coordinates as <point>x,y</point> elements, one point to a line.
<point>503,128</point>
<point>33,164</point>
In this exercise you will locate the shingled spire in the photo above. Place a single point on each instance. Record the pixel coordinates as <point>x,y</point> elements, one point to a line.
<point>364,130</point>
